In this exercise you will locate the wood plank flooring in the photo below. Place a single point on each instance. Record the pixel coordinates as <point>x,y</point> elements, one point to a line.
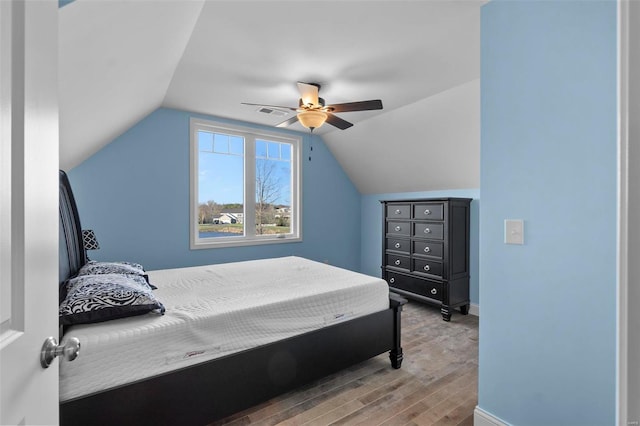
<point>437,384</point>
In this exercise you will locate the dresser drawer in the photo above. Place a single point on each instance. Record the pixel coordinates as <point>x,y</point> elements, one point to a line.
<point>399,228</point>
<point>430,211</point>
<point>398,211</point>
<point>427,248</point>
<point>425,288</point>
<point>428,230</point>
<point>397,261</point>
<point>398,244</point>
<point>427,267</point>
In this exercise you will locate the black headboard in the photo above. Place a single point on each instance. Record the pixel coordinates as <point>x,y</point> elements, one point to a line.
<point>72,253</point>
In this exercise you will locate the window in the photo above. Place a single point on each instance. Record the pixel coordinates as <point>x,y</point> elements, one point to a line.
<point>244,186</point>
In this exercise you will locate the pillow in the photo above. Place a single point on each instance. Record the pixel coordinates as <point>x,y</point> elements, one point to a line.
<point>97,298</point>
<point>93,267</point>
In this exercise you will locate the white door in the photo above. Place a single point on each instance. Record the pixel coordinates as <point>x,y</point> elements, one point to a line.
<point>28,209</point>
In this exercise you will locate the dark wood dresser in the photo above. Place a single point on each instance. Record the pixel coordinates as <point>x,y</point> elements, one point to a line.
<point>425,251</point>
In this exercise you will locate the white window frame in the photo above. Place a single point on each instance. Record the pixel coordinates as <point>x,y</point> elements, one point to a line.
<point>250,135</point>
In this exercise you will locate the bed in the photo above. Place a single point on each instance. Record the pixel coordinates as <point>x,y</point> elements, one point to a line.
<point>232,336</point>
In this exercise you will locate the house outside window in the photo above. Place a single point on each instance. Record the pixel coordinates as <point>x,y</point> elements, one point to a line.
<point>245,186</point>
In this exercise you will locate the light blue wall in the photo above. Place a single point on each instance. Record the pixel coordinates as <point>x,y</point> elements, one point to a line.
<point>371,230</point>
<point>134,194</point>
<point>548,156</point>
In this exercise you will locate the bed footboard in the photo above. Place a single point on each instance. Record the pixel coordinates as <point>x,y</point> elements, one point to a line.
<point>206,392</point>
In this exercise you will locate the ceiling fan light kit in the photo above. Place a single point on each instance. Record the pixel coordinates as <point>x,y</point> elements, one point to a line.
<point>312,119</point>
<point>312,111</point>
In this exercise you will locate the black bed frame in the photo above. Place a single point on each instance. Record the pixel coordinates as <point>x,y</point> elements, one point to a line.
<point>209,391</point>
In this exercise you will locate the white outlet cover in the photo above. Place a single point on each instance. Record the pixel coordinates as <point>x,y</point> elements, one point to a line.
<point>513,231</point>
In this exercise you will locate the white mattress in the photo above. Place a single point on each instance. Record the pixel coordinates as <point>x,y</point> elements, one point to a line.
<point>217,310</point>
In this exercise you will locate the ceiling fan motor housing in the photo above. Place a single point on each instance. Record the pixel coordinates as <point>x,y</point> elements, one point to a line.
<point>321,103</point>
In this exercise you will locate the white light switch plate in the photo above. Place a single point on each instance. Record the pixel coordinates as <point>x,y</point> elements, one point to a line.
<point>513,231</point>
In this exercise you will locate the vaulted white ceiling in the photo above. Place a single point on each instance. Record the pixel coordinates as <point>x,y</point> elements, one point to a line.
<point>120,60</point>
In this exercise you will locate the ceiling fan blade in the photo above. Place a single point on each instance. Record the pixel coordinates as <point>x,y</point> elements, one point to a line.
<point>288,122</point>
<point>356,106</point>
<point>308,93</point>
<point>271,106</point>
<point>338,122</point>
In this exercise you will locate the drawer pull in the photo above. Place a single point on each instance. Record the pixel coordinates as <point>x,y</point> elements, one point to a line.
<point>427,268</point>
<point>427,230</point>
<point>398,211</point>
<point>398,228</point>
<point>427,212</point>
<point>397,245</point>
<point>434,291</point>
<point>392,280</point>
<point>427,250</point>
<point>397,262</point>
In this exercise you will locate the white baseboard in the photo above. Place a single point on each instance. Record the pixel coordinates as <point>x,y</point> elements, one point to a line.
<point>474,309</point>
<point>482,418</point>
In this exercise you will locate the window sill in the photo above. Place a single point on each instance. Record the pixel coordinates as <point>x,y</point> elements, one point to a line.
<point>198,245</point>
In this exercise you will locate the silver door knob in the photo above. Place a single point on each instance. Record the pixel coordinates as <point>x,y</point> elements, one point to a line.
<point>427,212</point>
<point>427,249</point>
<point>397,262</point>
<point>51,349</point>
<point>427,230</point>
<point>427,268</point>
<point>434,291</point>
<point>398,228</point>
<point>398,211</point>
<point>397,245</point>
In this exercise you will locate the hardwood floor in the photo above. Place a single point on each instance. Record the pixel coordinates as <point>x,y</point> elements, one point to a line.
<point>437,384</point>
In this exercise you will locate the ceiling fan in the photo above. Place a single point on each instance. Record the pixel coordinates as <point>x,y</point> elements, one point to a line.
<point>312,111</point>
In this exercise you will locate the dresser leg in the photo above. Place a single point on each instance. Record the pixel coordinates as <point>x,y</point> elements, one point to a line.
<point>464,309</point>
<point>446,313</point>
<point>396,358</point>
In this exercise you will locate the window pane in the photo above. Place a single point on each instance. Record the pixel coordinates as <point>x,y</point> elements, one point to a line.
<point>205,141</point>
<point>274,150</point>
<point>273,194</point>
<point>221,143</point>
<point>221,191</point>
<point>285,151</point>
<point>236,145</point>
<point>261,149</point>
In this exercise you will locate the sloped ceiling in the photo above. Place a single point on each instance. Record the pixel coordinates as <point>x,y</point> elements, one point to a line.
<point>116,61</point>
<point>120,60</point>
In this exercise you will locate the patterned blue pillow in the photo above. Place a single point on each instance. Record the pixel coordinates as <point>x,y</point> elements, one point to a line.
<point>93,267</point>
<point>97,298</point>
